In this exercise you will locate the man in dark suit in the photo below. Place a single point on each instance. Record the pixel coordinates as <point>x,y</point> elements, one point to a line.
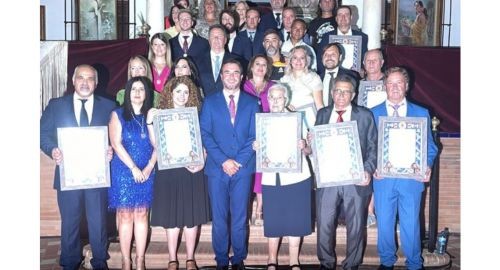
<point>333,55</point>
<point>227,124</point>
<point>394,194</point>
<point>211,63</point>
<point>82,108</point>
<point>251,35</point>
<point>230,20</point>
<point>186,42</point>
<point>273,19</point>
<point>354,197</point>
<point>343,19</point>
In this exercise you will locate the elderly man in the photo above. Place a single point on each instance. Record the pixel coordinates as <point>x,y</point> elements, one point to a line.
<point>354,198</point>
<point>227,126</point>
<point>402,197</point>
<point>373,62</point>
<point>272,45</point>
<point>82,108</point>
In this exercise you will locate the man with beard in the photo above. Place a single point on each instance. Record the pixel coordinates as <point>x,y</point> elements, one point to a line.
<point>231,20</point>
<point>272,45</point>
<point>332,57</point>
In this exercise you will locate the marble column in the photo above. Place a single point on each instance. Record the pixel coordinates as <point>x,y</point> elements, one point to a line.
<point>155,17</point>
<point>372,20</point>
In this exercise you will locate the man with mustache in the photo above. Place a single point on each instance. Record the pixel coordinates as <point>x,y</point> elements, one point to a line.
<point>235,45</point>
<point>272,45</point>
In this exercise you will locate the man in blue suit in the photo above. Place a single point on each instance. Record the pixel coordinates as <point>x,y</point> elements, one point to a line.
<point>343,19</point>
<point>82,108</point>
<point>186,42</point>
<point>211,62</point>
<point>273,19</point>
<point>400,196</point>
<point>227,124</point>
<point>251,35</point>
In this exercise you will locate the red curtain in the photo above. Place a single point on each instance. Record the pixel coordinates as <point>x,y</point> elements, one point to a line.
<point>110,58</point>
<point>435,80</point>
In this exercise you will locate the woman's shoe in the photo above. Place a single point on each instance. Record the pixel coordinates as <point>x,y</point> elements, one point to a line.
<point>272,266</point>
<point>140,263</point>
<point>258,219</point>
<point>295,267</point>
<point>191,265</point>
<point>173,265</point>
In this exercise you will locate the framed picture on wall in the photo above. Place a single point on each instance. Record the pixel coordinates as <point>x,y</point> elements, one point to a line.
<point>97,19</point>
<point>417,23</point>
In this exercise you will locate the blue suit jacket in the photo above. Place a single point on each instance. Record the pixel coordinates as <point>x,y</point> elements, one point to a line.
<point>199,46</point>
<point>60,112</point>
<point>413,110</point>
<point>208,84</point>
<point>258,39</point>
<point>326,40</point>
<point>242,47</point>
<point>268,21</point>
<point>224,141</point>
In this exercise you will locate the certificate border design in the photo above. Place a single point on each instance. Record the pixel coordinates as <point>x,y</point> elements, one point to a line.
<point>196,156</point>
<point>323,131</point>
<point>102,176</point>
<point>351,40</point>
<point>419,167</point>
<point>263,163</point>
<point>368,86</point>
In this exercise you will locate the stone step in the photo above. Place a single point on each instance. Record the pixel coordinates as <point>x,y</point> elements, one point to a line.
<point>157,255</point>
<point>158,234</point>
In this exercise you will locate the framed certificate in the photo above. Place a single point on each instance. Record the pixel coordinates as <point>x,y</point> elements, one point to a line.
<point>278,135</point>
<point>402,147</point>
<point>178,139</point>
<point>352,50</point>
<point>371,93</point>
<point>85,163</point>
<point>337,154</point>
<point>309,114</point>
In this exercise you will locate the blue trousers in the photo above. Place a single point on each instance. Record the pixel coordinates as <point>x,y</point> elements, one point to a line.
<point>229,198</point>
<point>71,205</point>
<point>402,197</point>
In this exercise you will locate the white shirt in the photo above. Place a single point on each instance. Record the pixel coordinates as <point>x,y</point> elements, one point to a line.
<point>326,84</point>
<point>339,33</point>
<point>402,110</point>
<point>213,57</point>
<point>346,116</point>
<point>89,106</point>
<point>228,99</point>
<point>232,36</point>
<point>180,36</point>
<point>281,17</point>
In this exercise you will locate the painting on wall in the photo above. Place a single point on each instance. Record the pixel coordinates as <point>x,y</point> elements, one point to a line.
<point>417,23</point>
<point>97,19</point>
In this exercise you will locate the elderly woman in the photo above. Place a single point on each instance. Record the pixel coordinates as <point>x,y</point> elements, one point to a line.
<point>306,86</point>
<point>241,7</point>
<point>258,84</point>
<point>208,16</point>
<point>286,196</point>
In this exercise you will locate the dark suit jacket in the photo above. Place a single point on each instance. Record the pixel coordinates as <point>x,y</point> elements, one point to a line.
<point>224,141</point>
<point>242,48</point>
<point>326,40</point>
<point>60,112</point>
<point>208,84</point>
<point>268,21</point>
<point>258,39</point>
<point>342,70</point>
<point>367,138</point>
<point>199,46</point>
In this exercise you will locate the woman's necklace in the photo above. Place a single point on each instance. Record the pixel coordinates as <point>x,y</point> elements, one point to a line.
<point>143,132</point>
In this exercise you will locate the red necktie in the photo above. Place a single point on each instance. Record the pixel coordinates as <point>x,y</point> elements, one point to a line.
<point>232,107</point>
<point>339,119</point>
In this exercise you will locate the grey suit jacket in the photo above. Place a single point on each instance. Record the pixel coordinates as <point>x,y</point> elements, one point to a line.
<point>367,138</point>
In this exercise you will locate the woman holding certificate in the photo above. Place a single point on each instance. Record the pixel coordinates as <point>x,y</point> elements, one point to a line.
<point>257,84</point>
<point>132,168</point>
<point>180,194</point>
<point>286,196</point>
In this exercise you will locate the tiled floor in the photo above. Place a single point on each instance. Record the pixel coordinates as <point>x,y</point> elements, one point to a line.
<point>50,250</point>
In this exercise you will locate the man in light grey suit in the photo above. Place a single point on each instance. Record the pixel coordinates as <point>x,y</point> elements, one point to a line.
<point>354,198</point>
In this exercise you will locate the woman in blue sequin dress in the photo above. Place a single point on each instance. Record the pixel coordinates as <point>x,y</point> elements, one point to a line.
<point>132,168</point>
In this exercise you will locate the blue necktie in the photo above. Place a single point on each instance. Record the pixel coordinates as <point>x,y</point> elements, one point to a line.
<point>217,67</point>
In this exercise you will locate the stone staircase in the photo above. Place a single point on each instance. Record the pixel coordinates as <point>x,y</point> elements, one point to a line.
<point>157,252</point>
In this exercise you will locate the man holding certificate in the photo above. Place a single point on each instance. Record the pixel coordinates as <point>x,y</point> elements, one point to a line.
<point>227,126</point>
<point>395,195</point>
<point>80,109</point>
<point>354,197</point>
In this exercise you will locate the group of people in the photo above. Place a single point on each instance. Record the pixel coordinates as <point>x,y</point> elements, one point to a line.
<point>235,72</point>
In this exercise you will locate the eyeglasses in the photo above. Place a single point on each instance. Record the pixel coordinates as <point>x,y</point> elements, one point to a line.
<point>341,92</point>
<point>276,99</point>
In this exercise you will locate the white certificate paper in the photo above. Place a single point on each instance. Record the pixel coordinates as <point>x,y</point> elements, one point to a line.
<point>402,154</point>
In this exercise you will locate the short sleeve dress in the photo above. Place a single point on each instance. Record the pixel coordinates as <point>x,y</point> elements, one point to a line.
<point>124,192</point>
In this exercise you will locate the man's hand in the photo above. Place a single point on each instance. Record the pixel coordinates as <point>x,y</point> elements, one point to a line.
<point>427,176</point>
<point>230,167</point>
<point>110,153</point>
<point>57,155</point>
<point>376,176</point>
<point>366,180</point>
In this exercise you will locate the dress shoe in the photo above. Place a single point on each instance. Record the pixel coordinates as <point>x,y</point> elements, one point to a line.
<point>323,267</point>
<point>383,267</point>
<point>238,266</point>
<point>352,268</point>
<point>222,267</point>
